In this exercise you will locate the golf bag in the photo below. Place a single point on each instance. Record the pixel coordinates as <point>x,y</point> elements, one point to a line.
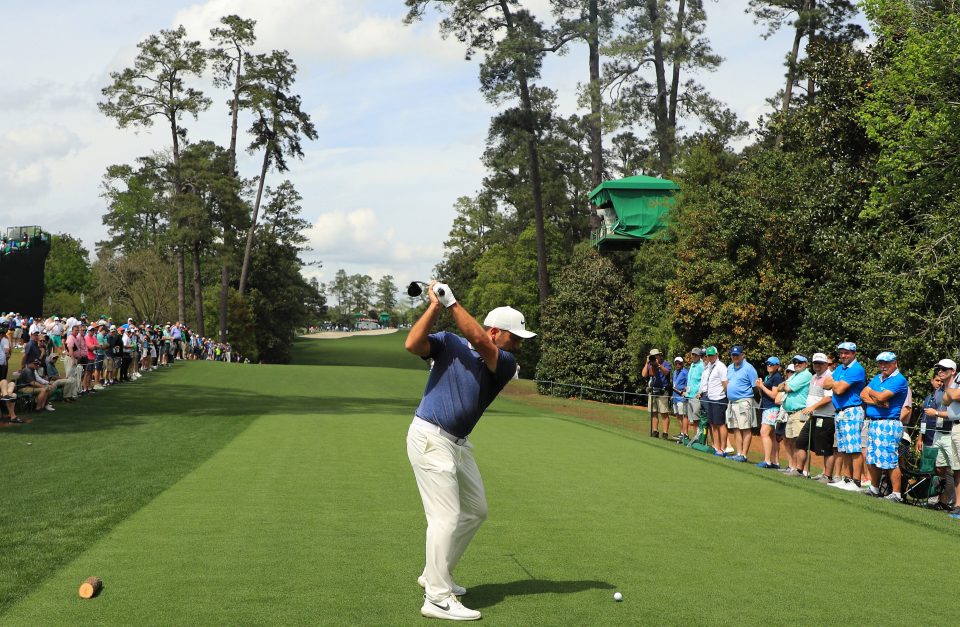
<point>699,441</point>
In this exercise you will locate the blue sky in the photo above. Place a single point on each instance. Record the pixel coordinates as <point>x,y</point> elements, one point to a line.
<point>400,121</point>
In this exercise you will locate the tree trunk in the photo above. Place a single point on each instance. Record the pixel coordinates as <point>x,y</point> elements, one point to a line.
<point>224,292</point>
<point>181,292</point>
<point>235,113</point>
<point>811,35</point>
<point>660,110</point>
<point>533,157</point>
<point>197,291</point>
<point>253,226</point>
<point>594,119</point>
<point>791,74</point>
<point>675,81</point>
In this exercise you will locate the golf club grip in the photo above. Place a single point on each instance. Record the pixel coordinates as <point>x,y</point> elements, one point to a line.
<point>440,292</point>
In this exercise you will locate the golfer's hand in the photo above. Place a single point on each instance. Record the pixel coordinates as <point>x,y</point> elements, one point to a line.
<point>930,411</point>
<point>443,293</point>
<point>807,411</point>
<point>430,294</point>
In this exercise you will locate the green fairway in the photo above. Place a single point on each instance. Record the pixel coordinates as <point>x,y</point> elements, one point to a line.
<point>242,494</point>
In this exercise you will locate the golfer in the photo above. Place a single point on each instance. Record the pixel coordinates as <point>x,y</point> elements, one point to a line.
<point>468,372</point>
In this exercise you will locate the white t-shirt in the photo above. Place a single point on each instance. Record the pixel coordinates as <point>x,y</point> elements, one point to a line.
<point>953,409</point>
<point>711,385</point>
<point>4,347</point>
<point>71,322</point>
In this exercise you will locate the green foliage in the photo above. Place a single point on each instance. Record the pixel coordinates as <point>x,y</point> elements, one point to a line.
<point>68,267</point>
<point>584,327</point>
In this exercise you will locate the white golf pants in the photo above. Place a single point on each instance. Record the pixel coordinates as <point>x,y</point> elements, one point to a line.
<point>453,500</point>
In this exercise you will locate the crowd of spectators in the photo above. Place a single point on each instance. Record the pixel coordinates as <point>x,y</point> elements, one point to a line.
<point>21,239</point>
<point>69,358</point>
<point>824,406</point>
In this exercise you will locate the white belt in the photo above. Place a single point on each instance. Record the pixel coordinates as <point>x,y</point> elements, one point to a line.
<point>425,425</point>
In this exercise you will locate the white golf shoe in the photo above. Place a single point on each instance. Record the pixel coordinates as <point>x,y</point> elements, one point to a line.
<point>457,590</point>
<point>450,609</point>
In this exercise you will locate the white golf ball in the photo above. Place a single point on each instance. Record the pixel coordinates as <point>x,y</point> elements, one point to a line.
<point>617,596</point>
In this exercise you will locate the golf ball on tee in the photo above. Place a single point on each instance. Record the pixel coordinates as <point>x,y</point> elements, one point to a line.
<point>617,596</point>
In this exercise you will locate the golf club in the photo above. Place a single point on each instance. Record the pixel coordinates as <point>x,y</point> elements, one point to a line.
<point>414,289</point>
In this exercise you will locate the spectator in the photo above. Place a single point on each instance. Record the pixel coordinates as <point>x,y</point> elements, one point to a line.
<point>713,394</point>
<point>31,382</point>
<point>68,386</point>
<point>885,397</point>
<point>9,397</point>
<point>741,413</point>
<point>657,374</point>
<point>5,349</point>
<point>769,414</point>
<point>936,432</point>
<point>818,438</point>
<point>694,376</point>
<point>846,382</point>
<point>75,355</point>
<point>795,402</point>
<point>31,350</point>
<point>679,400</point>
<point>92,377</point>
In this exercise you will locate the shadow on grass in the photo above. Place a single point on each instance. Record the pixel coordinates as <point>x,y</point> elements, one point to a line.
<point>486,595</point>
<point>130,406</point>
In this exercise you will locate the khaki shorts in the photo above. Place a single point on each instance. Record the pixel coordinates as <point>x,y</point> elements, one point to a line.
<point>946,452</point>
<point>795,422</point>
<point>660,403</point>
<point>741,414</point>
<point>693,409</point>
<point>108,363</point>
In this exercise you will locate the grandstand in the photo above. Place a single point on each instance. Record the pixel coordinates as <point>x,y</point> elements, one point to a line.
<point>23,256</point>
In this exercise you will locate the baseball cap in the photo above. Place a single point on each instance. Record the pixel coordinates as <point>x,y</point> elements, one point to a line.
<point>113,327</point>
<point>886,356</point>
<point>799,358</point>
<point>773,361</point>
<point>711,350</point>
<point>654,351</point>
<point>947,363</point>
<point>736,351</point>
<point>790,368</point>
<point>819,358</point>
<point>697,351</point>
<point>847,346</point>
<point>678,358</point>
<point>508,319</point>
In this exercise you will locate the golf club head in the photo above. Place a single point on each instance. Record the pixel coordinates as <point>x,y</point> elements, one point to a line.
<point>415,289</point>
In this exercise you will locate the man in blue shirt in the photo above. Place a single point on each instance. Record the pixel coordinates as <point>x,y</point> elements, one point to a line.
<point>884,398</point>
<point>846,383</point>
<point>679,400</point>
<point>694,376</point>
<point>741,412</point>
<point>467,374</point>
<point>657,374</point>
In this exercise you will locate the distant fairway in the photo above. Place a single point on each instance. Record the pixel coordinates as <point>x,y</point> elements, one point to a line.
<point>244,494</point>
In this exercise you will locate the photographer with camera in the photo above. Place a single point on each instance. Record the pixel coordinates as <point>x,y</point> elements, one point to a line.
<point>657,374</point>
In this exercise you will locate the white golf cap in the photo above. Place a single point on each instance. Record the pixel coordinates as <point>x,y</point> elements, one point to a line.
<point>508,319</point>
<point>678,358</point>
<point>819,358</point>
<point>947,363</point>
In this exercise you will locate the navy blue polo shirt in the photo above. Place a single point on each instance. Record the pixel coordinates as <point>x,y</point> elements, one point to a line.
<point>460,386</point>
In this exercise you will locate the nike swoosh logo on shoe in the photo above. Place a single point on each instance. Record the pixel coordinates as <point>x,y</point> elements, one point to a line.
<point>445,608</point>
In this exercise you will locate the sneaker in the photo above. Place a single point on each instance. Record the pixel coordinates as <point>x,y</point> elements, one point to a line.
<point>719,453</point>
<point>818,477</point>
<point>655,434</point>
<point>98,387</point>
<point>893,496</point>
<point>665,436</point>
<point>823,479</point>
<point>940,507</point>
<point>457,590</point>
<point>788,470</point>
<point>729,450</point>
<point>792,472</point>
<point>738,458</point>
<point>49,407</point>
<point>450,609</point>
<point>838,482</point>
<point>850,486</point>
<point>765,465</point>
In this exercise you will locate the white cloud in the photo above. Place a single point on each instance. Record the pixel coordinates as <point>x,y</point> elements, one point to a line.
<point>42,141</point>
<point>329,30</point>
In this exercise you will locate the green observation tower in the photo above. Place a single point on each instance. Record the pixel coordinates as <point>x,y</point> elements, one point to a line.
<point>631,210</point>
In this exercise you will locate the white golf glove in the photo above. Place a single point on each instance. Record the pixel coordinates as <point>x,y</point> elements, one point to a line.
<point>444,294</point>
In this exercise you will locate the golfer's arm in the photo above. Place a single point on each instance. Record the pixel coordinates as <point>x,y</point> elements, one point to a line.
<point>839,387</point>
<point>417,342</point>
<point>474,333</point>
<point>951,394</point>
<point>823,402</point>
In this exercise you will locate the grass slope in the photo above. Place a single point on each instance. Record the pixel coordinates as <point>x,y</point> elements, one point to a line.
<point>303,510</point>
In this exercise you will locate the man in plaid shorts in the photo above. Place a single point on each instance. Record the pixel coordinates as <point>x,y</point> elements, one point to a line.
<point>884,397</point>
<point>846,383</point>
